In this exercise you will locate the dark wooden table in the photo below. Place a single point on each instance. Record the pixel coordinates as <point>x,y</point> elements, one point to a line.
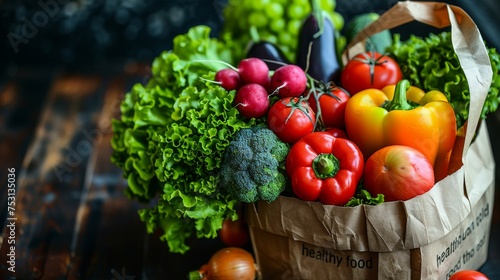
<point>72,219</point>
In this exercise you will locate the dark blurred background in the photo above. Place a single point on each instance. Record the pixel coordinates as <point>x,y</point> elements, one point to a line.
<point>76,33</point>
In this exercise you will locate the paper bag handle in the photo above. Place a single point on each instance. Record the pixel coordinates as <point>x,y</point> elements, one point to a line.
<point>467,43</point>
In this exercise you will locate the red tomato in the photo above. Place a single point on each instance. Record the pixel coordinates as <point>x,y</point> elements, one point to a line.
<point>337,132</point>
<point>234,233</point>
<point>332,109</point>
<point>291,118</point>
<point>398,172</point>
<point>369,70</point>
<point>468,275</point>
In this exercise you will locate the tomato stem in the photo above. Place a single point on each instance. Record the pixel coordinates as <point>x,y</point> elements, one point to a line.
<point>296,104</point>
<point>372,62</point>
<point>326,166</point>
<point>318,89</point>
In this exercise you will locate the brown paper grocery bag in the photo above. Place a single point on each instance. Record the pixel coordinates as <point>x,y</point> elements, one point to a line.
<point>427,237</point>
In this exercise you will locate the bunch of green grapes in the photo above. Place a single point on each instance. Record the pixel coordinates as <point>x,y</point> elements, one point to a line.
<point>276,21</point>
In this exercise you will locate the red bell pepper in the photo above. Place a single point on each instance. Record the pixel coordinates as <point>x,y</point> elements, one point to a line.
<point>324,168</point>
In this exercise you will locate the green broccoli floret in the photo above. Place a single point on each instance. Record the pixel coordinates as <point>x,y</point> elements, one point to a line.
<point>253,165</point>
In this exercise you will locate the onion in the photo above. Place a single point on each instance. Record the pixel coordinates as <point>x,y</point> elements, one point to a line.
<point>228,263</point>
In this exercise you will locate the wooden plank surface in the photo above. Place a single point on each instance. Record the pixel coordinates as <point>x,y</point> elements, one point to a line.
<point>21,99</point>
<point>73,219</point>
<point>103,209</point>
<point>50,179</point>
<point>20,106</point>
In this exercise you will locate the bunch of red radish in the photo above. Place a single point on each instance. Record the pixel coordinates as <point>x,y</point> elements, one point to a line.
<point>254,84</point>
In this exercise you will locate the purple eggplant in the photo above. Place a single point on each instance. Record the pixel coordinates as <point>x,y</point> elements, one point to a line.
<point>317,53</point>
<point>270,53</point>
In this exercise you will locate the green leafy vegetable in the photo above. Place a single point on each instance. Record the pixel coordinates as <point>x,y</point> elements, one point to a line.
<point>362,196</point>
<point>431,64</point>
<point>171,137</point>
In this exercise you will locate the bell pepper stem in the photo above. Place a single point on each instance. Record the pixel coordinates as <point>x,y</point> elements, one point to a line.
<point>399,101</point>
<point>326,166</point>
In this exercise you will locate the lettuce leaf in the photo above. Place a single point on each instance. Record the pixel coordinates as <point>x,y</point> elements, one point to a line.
<point>171,136</point>
<point>362,196</point>
<point>431,64</point>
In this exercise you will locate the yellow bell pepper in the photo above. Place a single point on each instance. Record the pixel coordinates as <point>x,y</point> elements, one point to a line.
<point>404,115</point>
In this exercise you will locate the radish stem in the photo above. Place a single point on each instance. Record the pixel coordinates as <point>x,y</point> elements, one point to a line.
<point>218,61</point>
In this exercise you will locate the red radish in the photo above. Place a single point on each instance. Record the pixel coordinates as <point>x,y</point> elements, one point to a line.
<point>267,86</point>
<point>289,81</point>
<point>253,71</point>
<point>228,78</point>
<point>252,101</point>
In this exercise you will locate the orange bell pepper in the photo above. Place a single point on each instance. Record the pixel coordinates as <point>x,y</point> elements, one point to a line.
<point>403,115</point>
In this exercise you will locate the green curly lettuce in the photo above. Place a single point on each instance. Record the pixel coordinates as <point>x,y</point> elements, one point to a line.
<point>432,64</point>
<point>362,196</point>
<point>171,136</point>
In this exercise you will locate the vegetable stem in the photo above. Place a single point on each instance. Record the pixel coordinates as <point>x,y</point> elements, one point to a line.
<point>326,166</point>
<point>399,101</point>
<point>296,104</point>
<point>195,275</point>
<point>254,34</point>
<point>216,61</point>
<point>317,13</point>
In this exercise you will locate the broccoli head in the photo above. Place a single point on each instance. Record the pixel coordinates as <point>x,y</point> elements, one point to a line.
<point>253,165</point>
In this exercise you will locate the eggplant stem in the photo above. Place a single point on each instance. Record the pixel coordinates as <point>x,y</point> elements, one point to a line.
<point>317,13</point>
